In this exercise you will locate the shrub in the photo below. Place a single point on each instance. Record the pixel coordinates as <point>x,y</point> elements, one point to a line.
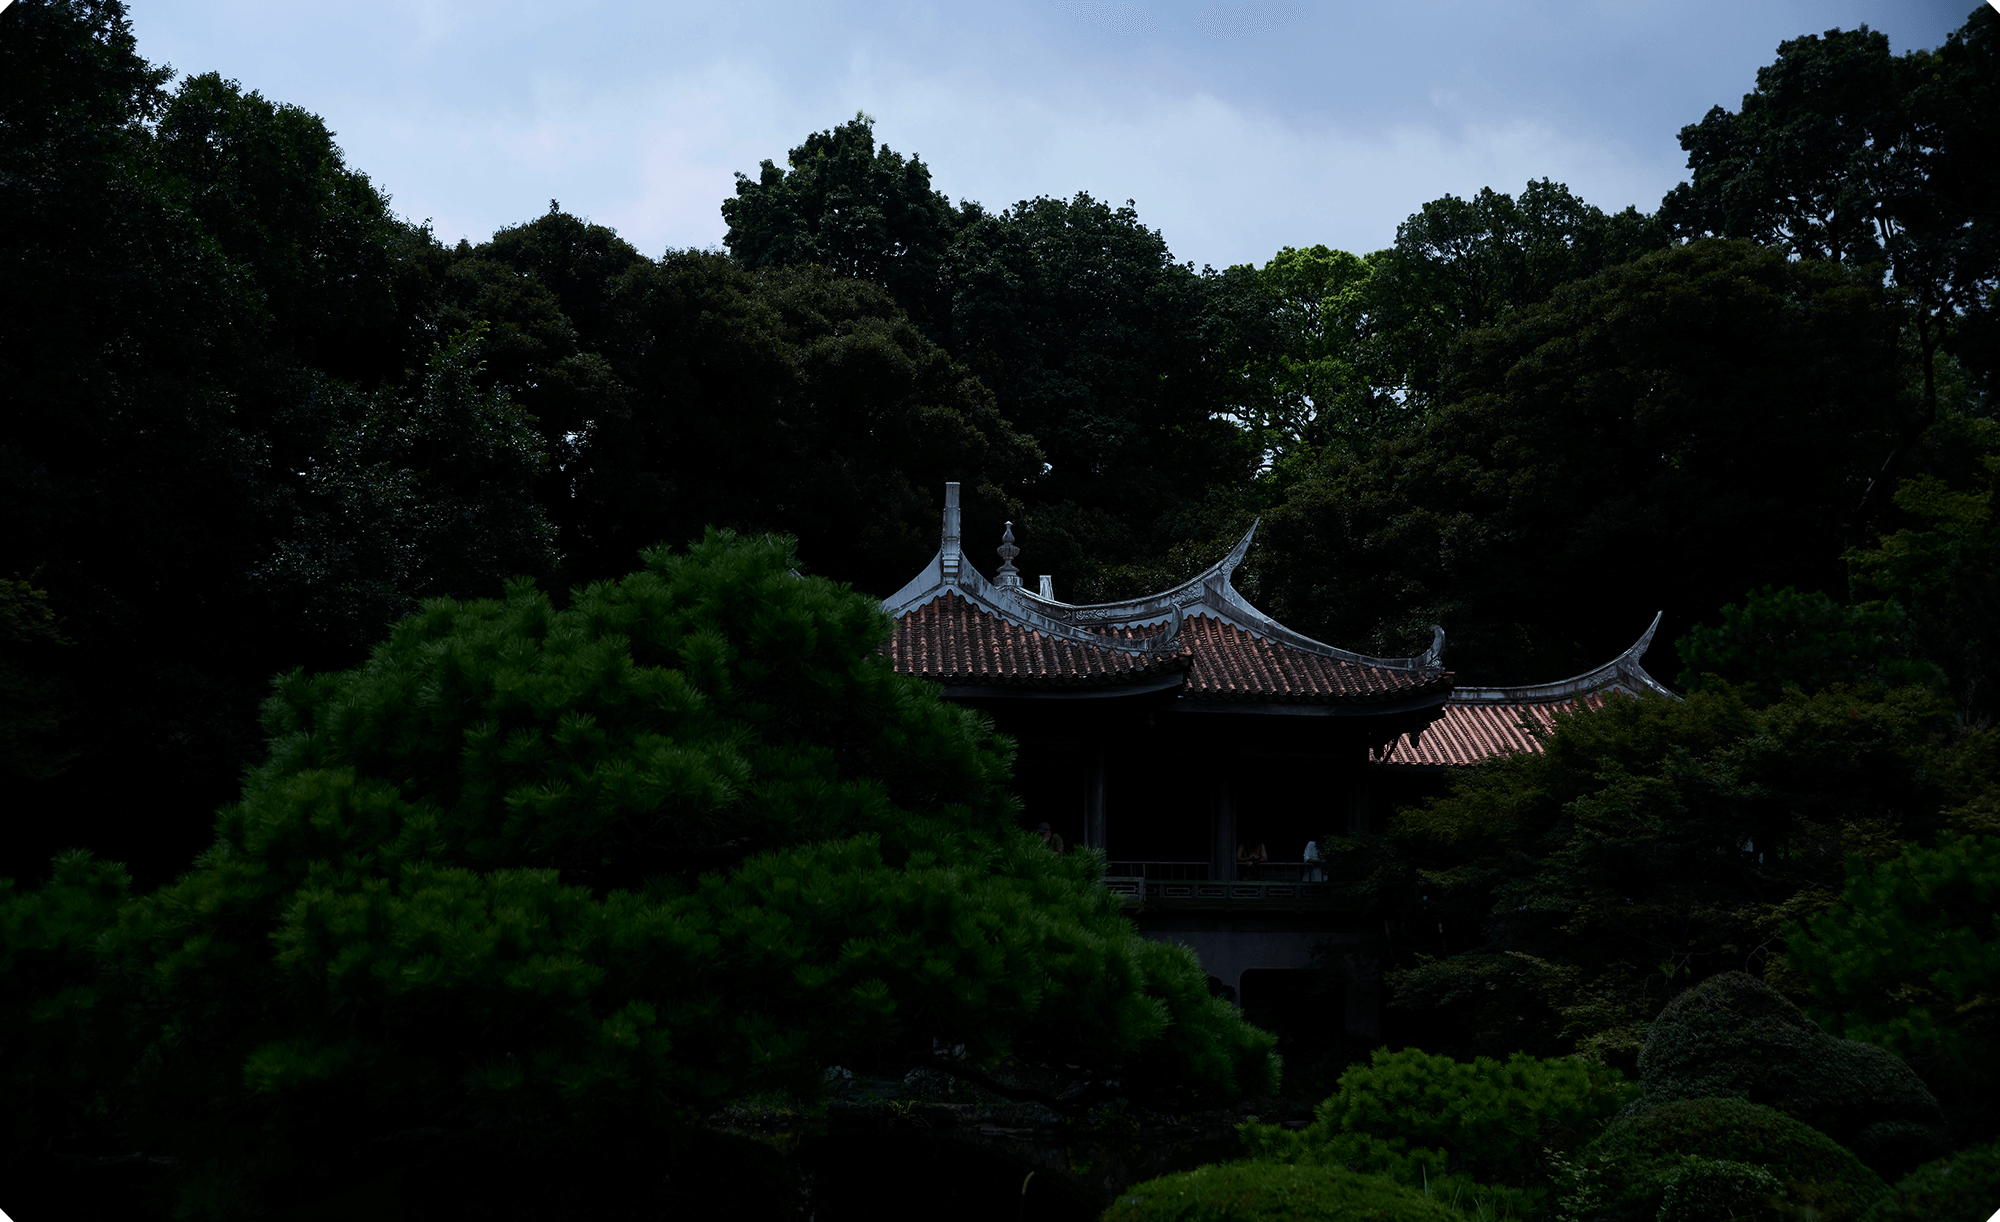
<point>61,1037</point>
<point>1482,1127</point>
<point>685,838</point>
<point>1717,1190</point>
<point>1731,1035</point>
<point>1906,960</point>
<point>1256,1191</point>
<point>1964,1187</point>
<point>1641,1154</point>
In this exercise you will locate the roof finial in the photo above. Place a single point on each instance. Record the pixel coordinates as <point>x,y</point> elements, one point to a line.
<point>1008,574</point>
<point>948,551</point>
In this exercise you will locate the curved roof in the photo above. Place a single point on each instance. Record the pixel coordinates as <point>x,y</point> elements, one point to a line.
<point>1211,593</point>
<point>1234,664</point>
<point>1622,673</point>
<point>954,625</point>
<point>1482,722</point>
<point>954,640</point>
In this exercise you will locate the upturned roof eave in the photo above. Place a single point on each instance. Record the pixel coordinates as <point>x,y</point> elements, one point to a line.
<point>1215,592</point>
<point>1623,669</point>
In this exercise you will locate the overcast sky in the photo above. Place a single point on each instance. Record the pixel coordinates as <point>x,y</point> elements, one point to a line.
<point>1237,128</point>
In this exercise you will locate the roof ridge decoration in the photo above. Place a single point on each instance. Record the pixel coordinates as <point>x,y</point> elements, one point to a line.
<point>947,573</point>
<point>1210,592</point>
<point>1622,672</point>
<point>1008,576</point>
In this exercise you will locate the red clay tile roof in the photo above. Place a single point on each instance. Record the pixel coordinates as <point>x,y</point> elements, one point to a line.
<point>951,641</point>
<point>1471,734</point>
<point>1231,664</point>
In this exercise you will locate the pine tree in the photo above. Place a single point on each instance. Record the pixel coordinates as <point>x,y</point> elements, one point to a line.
<point>687,837</point>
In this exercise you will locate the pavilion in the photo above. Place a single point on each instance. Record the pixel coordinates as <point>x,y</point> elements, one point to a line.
<point>1171,729</point>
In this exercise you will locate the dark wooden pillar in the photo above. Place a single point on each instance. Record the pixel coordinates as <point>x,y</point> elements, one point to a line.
<point>1364,996</point>
<point>1357,805</point>
<point>1222,826</point>
<point>1094,801</point>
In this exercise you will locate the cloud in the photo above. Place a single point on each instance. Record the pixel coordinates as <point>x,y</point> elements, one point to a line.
<point>1242,20</point>
<point>1114,18</point>
<point>1237,127</point>
<point>1228,182</point>
<point>1225,180</point>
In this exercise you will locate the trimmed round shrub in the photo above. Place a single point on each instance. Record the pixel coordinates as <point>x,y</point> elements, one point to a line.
<point>1479,1129</point>
<point>1717,1190</point>
<point>1275,1192</point>
<point>1640,1154</point>
<point>1732,1036</point>
<point>1964,1187</point>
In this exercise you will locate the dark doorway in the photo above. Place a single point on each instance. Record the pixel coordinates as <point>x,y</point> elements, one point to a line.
<point>1306,1008</point>
<point>1051,785</point>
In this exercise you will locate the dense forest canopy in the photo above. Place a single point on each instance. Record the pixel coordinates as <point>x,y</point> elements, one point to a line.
<point>260,416</point>
<point>260,424</point>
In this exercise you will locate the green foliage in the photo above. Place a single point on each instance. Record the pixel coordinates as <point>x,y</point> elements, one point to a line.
<point>1557,900</point>
<point>1485,1128</point>
<point>854,209</point>
<point>1940,555</point>
<point>1732,1036</point>
<point>1253,1192</point>
<point>1354,348</point>
<point>1795,167</point>
<point>1910,959</point>
<point>1714,408</point>
<point>686,838</point>
<point>1641,1155</point>
<point>1959,1188</point>
<point>1117,359</point>
<point>271,189</point>
<point>1459,265</point>
<point>31,698</point>
<point>1782,638</point>
<point>1114,357</point>
<point>63,1039</point>
<point>782,399</point>
<point>692,391</point>
<point>152,453</point>
<point>410,499</point>
<point>1717,1190</point>
<point>1309,385</point>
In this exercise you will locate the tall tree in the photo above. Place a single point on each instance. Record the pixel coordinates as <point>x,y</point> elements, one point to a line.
<point>855,209</point>
<point>1462,264</point>
<point>1355,347</point>
<point>210,295</point>
<point>1308,380</point>
<point>1115,358</point>
<point>1848,153</point>
<point>1798,166</point>
<point>132,494</point>
<point>1559,899</point>
<point>1665,435</point>
<point>268,184</point>
<point>408,498</point>
<point>605,867</point>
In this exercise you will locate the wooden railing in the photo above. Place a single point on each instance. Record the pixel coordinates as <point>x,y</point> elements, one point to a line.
<point>1159,871</point>
<point>1181,871</point>
<point>1188,884</point>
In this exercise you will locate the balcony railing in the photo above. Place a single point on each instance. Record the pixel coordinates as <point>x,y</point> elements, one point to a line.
<point>1175,884</point>
<point>1159,871</point>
